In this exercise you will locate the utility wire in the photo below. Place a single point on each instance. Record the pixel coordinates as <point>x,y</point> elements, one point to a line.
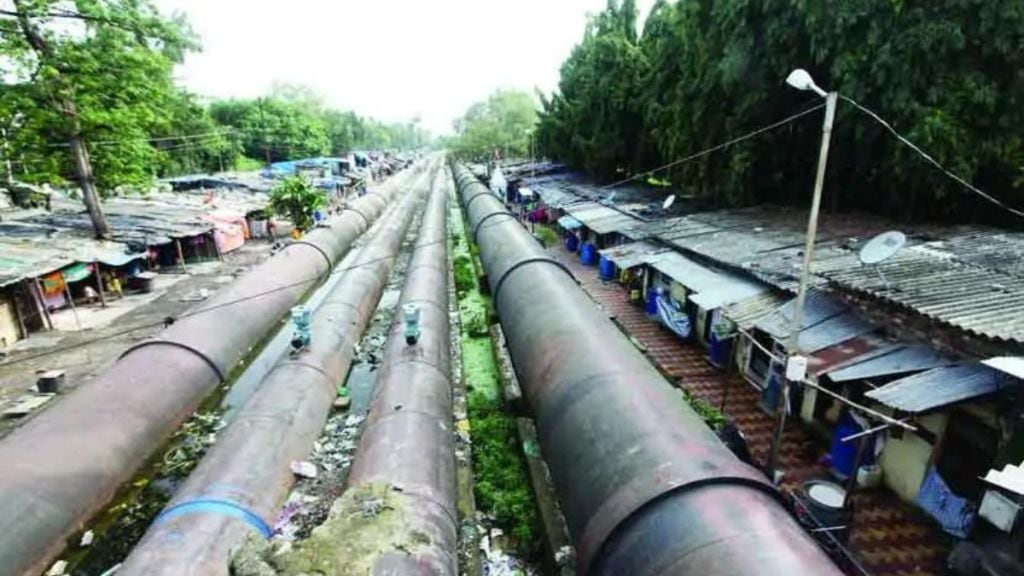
<point>718,147</point>
<point>932,161</point>
<point>203,135</point>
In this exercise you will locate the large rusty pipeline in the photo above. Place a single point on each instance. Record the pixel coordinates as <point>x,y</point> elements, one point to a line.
<point>64,465</point>
<point>647,489</point>
<point>238,486</point>
<point>407,446</point>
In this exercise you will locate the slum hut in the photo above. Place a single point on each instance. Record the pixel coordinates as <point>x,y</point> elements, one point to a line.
<point>627,262</point>
<point>698,291</point>
<point>173,233</point>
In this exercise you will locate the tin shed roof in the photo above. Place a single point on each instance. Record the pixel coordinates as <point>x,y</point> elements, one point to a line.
<point>940,387</point>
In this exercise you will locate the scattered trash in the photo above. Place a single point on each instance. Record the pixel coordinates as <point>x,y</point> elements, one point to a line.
<point>87,539</point>
<point>58,568</point>
<point>24,405</point>
<point>195,295</point>
<point>304,469</point>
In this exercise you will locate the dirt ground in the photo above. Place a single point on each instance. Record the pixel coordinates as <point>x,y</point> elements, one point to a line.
<point>174,293</point>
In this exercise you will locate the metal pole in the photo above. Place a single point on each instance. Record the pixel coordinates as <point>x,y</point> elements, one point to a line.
<point>793,346</point>
<point>99,284</point>
<point>42,303</point>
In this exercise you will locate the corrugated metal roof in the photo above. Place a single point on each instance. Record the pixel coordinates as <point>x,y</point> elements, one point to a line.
<point>939,387</point>
<point>1009,478</point>
<point>818,307</point>
<point>844,353</point>
<point>979,300</point>
<point>626,256</point>
<point>600,218</point>
<point>898,360</point>
<point>749,310</point>
<point>569,223</point>
<point>832,331</point>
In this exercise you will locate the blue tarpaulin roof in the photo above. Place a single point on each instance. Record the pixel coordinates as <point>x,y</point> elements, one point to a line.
<point>940,387</point>
<point>569,223</point>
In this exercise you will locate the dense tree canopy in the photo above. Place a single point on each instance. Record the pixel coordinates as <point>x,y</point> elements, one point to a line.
<point>945,73</point>
<point>96,76</point>
<point>505,122</point>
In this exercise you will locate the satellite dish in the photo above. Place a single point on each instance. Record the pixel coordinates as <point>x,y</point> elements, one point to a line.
<point>611,199</point>
<point>669,202</point>
<point>882,247</point>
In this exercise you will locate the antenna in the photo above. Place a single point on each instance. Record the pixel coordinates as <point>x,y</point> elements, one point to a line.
<point>668,202</point>
<point>881,248</point>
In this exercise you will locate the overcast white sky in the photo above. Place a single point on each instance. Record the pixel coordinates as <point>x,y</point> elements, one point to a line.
<point>391,59</point>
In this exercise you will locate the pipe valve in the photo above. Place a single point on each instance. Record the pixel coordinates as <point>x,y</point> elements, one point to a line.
<point>302,317</point>
<point>412,323</point>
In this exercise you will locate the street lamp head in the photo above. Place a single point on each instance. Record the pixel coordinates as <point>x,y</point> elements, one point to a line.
<point>801,80</point>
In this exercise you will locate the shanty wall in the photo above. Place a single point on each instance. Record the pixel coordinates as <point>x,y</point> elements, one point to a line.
<point>9,331</point>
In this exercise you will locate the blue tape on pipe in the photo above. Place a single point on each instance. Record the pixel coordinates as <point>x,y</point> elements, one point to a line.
<point>222,507</point>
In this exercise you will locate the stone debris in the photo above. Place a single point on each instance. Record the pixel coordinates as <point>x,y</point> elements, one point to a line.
<point>87,539</point>
<point>304,469</point>
<point>58,569</point>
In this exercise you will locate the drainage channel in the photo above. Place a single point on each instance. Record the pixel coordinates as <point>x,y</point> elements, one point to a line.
<point>310,499</point>
<point>113,533</point>
<point>507,527</point>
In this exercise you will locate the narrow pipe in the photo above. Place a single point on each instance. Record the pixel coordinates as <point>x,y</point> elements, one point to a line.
<point>407,445</point>
<point>238,486</point>
<point>647,489</point>
<point>63,466</point>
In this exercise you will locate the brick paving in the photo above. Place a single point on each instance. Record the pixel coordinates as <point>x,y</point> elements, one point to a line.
<point>889,537</point>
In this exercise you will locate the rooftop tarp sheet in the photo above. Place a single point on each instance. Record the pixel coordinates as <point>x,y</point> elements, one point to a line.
<point>687,272</point>
<point>832,331</point>
<point>569,223</point>
<point>600,218</point>
<point>1012,365</point>
<point>940,387</point>
<point>734,289</point>
<point>898,360</point>
<point>626,256</point>
<point>818,307</point>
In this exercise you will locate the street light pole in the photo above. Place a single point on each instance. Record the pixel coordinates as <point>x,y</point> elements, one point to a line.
<point>801,80</point>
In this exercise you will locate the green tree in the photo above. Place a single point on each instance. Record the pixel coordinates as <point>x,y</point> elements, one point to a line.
<point>945,73</point>
<point>297,199</point>
<point>98,71</point>
<point>505,121</point>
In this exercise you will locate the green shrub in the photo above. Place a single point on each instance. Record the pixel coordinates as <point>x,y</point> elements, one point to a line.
<point>502,484</point>
<point>465,276</point>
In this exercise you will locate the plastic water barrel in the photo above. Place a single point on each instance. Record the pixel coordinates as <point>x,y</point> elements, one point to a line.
<point>588,254</point>
<point>606,269</point>
<point>571,242</point>
<point>652,303</point>
<point>718,350</point>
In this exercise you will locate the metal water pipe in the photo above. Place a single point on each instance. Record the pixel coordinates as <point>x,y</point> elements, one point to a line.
<point>238,487</point>
<point>64,465</point>
<point>646,487</point>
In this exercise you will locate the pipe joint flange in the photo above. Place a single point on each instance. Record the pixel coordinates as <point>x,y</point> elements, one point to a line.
<point>469,202</point>
<point>535,259</point>
<point>356,210</point>
<point>209,361</point>
<point>479,225</point>
<point>322,252</point>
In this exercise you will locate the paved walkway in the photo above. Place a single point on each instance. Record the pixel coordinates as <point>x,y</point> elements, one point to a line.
<point>889,537</point>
